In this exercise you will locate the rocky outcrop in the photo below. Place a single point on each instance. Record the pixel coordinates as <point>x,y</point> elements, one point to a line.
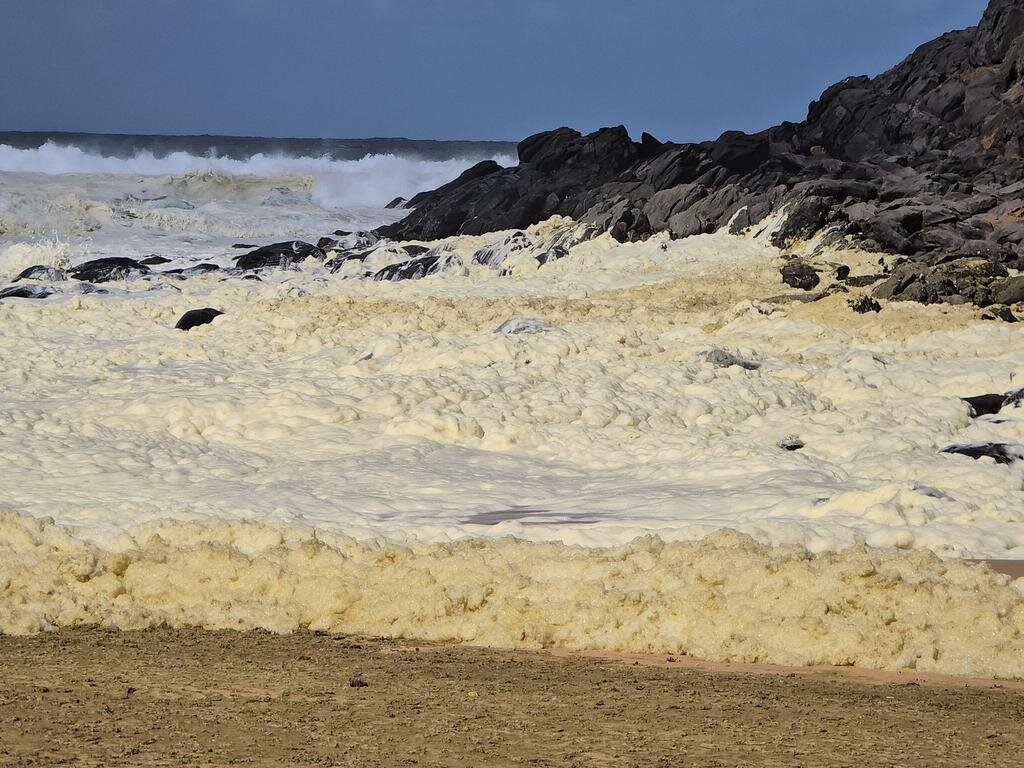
<point>925,161</point>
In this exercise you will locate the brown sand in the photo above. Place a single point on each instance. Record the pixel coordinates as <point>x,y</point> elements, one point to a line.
<point>100,698</point>
<point>1012,568</point>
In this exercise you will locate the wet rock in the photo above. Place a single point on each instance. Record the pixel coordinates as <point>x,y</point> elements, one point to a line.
<point>243,245</point>
<point>26,292</point>
<point>398,202</point>
<point>154,260</point>
<point>326,243</point>
<point>864,304</point>
<point>278,255</point>
<point>799,274</point>
<point>494,255</point>
<point>107,269</point>
<point>1001,453</point>
<point>197,317</point>
<point>1014,399</point>
<point>414,269</point>
<point>842,272</point>
<point>999,313</point>
<point>803,222</point>
<point>985,405</point>
<point>41,272</point>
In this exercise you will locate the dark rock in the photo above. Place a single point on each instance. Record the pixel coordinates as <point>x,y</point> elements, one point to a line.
<point>799,274</point>
<point>341,233</point>
<point>398,202</point>
<point>985,405</point>
<point>196,317</point>
<point>278,255</point>
<point>862,281</point>
<point>1000,313</point>
<point>243,245</point>
<point>1009,291</point>
<point>924,161</point>
<point>494,255</point>
<point>26,292</point>
<point>865,304</point>
<point>41,272</point>
<point>326,243</point>
<point>104,270</point>
<point>842,272</point>
<point>803,222</point>
<point>154,260</point>
<point>791,444</point>
<point>1002,453</point>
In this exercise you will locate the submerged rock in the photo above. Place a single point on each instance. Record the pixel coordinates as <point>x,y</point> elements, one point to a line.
<point>523,326</point>
<point>722,359</point>
<point>197,317</point>
<point>89,288</point>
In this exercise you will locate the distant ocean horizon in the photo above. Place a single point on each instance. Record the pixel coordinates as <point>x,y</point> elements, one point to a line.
<point>344,172</point>
<point>126,145</point>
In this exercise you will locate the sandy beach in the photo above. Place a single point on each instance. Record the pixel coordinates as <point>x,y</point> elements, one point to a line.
<point>91,697</point>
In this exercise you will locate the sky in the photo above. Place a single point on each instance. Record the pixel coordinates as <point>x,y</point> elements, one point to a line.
<point>443,69</point>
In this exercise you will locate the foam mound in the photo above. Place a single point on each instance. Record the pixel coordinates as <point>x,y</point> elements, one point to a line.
<point>724,598</point>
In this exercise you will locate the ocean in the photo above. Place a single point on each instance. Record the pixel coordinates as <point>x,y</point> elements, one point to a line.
<point>550,440</point>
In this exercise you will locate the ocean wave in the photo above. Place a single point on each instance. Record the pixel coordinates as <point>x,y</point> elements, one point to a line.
<point>373,180</point>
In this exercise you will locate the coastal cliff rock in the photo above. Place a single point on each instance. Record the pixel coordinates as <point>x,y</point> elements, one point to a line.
<point>925,161</point>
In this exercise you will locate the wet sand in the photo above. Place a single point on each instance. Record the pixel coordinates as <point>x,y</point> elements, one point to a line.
<point>90,697</point>
<point>1012,568</point>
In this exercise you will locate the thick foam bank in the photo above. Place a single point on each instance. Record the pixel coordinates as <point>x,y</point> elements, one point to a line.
<point>725,598</point>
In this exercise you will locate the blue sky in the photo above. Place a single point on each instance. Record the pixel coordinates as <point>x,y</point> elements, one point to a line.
<point>460,69</point>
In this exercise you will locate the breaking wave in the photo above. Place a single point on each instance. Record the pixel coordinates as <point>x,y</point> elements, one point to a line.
<point>373,180</point>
